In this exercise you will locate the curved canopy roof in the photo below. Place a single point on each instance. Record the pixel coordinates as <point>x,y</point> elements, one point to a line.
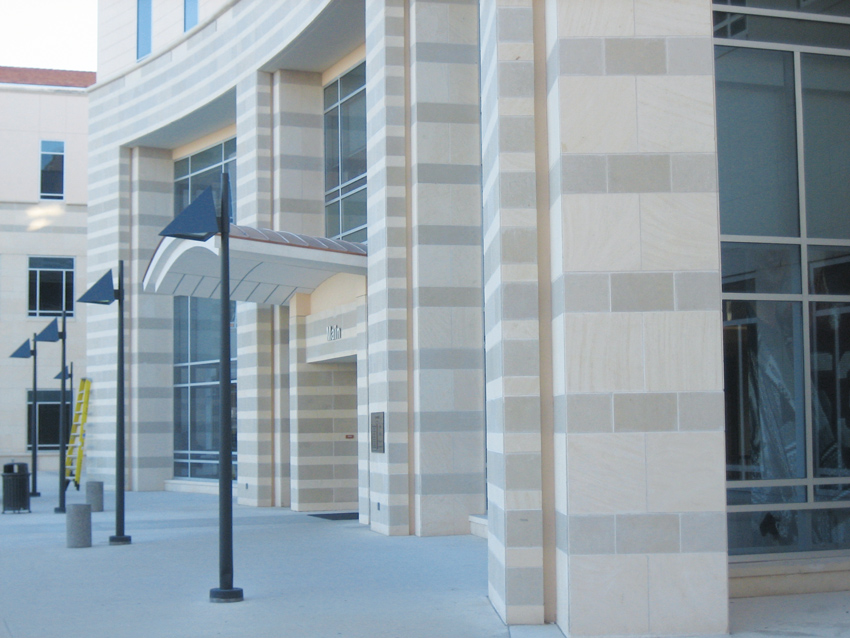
<point>266,266</point>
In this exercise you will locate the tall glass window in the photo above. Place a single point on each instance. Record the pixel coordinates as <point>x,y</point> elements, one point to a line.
<point>51,286</point>
<point>190,14</point>
<point>197,342</point>
<point>783,127</point>
<point>52,170</point>
<point>144,28</point>
<point>345,156</point>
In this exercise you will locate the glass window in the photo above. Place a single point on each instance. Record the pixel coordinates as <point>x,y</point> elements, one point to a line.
<point>765,426</point>
<point>49,402</point>
<point>345,156</point>
<point>190,14</point>
<point>826,123</point>
<point>760,268</point>
<point>784,135</point>
<point>197,349</point>
<point>51,286</point>
<point>144,28</point>
<point>52,170</point>
<point>756,142</point>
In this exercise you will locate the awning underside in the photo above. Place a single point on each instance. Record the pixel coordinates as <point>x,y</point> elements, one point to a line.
<point>266,266</point>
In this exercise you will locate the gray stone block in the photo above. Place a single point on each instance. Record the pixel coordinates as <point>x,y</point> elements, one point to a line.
<point>94,495</point>
<point>78,526</point>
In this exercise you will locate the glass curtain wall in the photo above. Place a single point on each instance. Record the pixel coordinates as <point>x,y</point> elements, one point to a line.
<point>197,340</point>
<point>345,156</point>
<point>783,116</point>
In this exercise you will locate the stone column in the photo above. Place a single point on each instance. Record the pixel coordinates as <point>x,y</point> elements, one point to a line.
<point>447,326</point>
<point>387,293</point>
<point>253,207</point>
<point>637,323</point>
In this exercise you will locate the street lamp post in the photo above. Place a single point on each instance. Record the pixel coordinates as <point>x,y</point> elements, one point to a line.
<point>25,352</point>
<point>198,222</point>
<point>103,292</point>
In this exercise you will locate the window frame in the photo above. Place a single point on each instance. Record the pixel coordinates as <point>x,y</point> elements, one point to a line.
<point>47,152</point>
<point>34,307</point>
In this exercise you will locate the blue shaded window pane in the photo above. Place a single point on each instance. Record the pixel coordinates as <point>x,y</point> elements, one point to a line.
<point>354,211</point>
<point>765,407</point>
<point>52,147</point>
<point>190,14</point>
<point>738,26</point>
<point>765,495</point>
<point>352,81</point>
<point>756,142</point>
<point>332,149</point>
<point>353,137</point>
<point>830,343</point>
<point>829,270</point>
<point>144,24</point>
<point>826,124</point>
<point>760,268</point>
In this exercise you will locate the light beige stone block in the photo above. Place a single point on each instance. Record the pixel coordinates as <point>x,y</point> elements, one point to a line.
<point>685,472</point>
<point>676,114</point>
<point>598,114</point>
<point>585,18</point>
<point>688,593</point>
<point>601,232</point>
<point>679,17</point>
<point>679,231</point>
<point>683,351</point>
<point>604,352</point>
<point>608,595</point>
<point>606,473</point>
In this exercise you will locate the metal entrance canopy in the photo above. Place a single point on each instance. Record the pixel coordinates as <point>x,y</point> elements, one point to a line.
<point>266,266</point>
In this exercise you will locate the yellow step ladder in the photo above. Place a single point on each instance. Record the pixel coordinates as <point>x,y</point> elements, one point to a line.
<point>77,439</point>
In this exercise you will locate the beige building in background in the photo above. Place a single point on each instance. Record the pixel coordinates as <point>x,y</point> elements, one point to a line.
<point>493,266</point>
<point>43,192</point>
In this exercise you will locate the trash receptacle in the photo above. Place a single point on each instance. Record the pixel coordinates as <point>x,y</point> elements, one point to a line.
<point>16,492</point>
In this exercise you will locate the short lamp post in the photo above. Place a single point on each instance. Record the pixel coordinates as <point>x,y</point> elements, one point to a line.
<point>25,352</point>
<point>103,292</point>
<point>198,222</point>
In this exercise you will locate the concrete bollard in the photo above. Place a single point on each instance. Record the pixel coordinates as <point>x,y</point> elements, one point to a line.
<point>94,495</point>
<point>78,525</point>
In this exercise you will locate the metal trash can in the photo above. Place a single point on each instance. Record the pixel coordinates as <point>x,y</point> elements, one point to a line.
<point>16,492</point>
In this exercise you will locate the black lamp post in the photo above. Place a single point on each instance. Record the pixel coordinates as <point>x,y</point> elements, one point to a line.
<point>198,222</point>
<point>52,333</point>
<point>25,352</point>
<point>103,292</point>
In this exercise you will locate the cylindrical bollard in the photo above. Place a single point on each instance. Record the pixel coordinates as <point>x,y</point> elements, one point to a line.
<point>78,525</point>
<point>94,495</point>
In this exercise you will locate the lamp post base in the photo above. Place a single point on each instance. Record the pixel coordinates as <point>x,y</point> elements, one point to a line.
<point>119,540</point>
<point>58,510</point>
<point>35,493</point>
<point>219,595</point>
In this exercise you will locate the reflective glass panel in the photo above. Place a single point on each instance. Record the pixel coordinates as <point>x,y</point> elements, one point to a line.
<point>756,139</point>
<point>181,329</point>
<point>826,128</point>
<point>181,418</point>
<point>832,7</point>
<point>763,357</point>
<point>829,270</point>
<point>761,268</point>
<point>206,158</point>
<point>181,168</point>
<point>205,329</point>
<point>181,195</point>
<point>353,123</point>
<point>833,492</point>
<point>354,211</point>
<point>332,221</point>
<point>830,342</point>
<point>332,149</point>
<point>352,81</point>
<point>739,26</point>
<point>205,428</point>
<point>765,495</point>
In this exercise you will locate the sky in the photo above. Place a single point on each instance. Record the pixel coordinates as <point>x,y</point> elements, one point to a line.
<point>49,34</point>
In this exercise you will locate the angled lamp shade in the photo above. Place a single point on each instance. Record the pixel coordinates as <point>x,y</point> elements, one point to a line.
<point>102,292</point>
<point>23,352</point>
<point>198,221</point>
<point>50,333</point>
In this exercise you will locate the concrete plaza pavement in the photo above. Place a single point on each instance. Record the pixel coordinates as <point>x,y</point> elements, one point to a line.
<point>303,577</point>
